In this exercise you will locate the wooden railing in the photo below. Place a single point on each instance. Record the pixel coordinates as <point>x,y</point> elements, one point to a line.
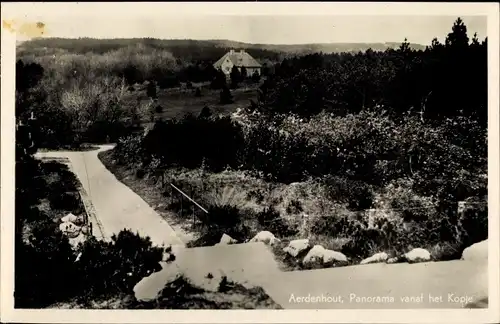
<point>194,204</point>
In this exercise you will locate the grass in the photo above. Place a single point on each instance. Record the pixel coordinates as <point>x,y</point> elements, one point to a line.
<point>177,102</point>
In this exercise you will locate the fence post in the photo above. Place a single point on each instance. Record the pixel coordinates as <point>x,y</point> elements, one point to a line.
<point>182,198</point>
<point>192,208</point>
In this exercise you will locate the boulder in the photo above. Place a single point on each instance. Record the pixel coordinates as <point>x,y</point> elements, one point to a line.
<point>226,239</point>
<point>69,218</point>
<point>330,256</point>
<point>265,237</point>
<point>296,246</point>
<point>74,241</point>
<point>314,256</point>
<point>476,252</point>
<point>69,229</point>
<point>418,255</point>
<point>392,260</point>
<point>377,257</point>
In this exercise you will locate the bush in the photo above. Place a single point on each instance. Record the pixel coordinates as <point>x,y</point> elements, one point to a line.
<point>222,220</point>
<point>225,96</point>
<point>68,201</point>
<point>158,109</point>
<point>107,269</point>
<point>140,173</point>
<point>45,270</point>
<point>270,220</point>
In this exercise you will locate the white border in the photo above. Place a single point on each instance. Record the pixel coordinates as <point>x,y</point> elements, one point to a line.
<point>32,11</point>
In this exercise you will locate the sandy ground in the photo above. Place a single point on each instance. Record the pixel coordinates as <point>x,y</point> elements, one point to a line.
<point>116,206</point>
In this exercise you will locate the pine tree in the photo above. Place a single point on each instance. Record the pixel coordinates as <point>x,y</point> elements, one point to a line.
<point>151,90</point>
<point>458,37</point>
<point>256,76</point>
<point>225,96</point>
<point>235,77</point>
<point>244,73</point>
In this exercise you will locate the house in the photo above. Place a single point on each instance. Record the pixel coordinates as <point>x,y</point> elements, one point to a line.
<point>239,59</point>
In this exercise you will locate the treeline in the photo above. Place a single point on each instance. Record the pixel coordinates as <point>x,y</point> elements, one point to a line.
<point>443,80</point>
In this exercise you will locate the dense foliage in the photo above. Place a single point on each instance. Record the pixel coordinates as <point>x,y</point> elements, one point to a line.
<point>47,269</point>
<point>404,123</point>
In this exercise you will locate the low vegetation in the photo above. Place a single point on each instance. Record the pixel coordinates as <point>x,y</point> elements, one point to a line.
<point>376,158</point>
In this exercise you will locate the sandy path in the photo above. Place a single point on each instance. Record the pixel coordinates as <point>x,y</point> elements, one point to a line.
<point>116,206</point>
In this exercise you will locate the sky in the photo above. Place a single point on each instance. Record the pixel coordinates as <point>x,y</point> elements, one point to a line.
<point>269,29</point>
<point>247,24</point>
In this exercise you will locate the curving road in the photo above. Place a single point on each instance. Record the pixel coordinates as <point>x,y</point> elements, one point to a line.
<point>117,206</point>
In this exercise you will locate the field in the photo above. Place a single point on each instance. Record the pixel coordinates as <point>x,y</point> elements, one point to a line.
<point>180,101</point>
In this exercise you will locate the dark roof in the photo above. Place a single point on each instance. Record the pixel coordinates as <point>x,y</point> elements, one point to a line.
<point>238,59</point>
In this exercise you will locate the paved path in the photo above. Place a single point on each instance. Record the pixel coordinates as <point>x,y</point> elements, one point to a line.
<point>117,206</point>
<point>460,278</point>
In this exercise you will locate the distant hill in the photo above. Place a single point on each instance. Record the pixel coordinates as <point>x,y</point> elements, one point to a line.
<point>188,49</point>
<point>315,47</point>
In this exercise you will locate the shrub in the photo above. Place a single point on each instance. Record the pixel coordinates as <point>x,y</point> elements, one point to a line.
<point>109,268</point>
<point>45,270</point>
<point>159,109</point>
<point>222,220</point>
<point>64,201</point>
<point>205,112</point>
<point>140,173</point>
<point>225,96</point>
<point>270,220</point>
<point>294,207</point>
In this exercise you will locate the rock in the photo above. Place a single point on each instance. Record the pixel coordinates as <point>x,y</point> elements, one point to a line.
<point>330,256</point>
<point>265,237</point>
<point>418,255</point>
<point>476,252</point>
<point>74,241</point>
<point>150,287</point>
<point>314,256</point>
<point>70,229</point>
<point>392,260</point>
<point>377,257</point>
<point>226,239</point>
<point>69,218</point>
<point>296,246</point>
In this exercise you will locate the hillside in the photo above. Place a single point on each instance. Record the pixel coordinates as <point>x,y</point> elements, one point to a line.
<point>186,47</point>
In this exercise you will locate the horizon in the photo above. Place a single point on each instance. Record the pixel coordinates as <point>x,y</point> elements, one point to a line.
<point>265,30</point>
<point>214,40</point>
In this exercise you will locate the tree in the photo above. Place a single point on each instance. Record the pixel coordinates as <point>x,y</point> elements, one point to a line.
<point>235,77</point>
<point>219,81</point>
<point>205,113</point>
<point>151,90</point>
<point>458,37</point>
<point>244,73</point>
<point>225,96</point>
<point>265,69</point>
<point>256,76</point>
